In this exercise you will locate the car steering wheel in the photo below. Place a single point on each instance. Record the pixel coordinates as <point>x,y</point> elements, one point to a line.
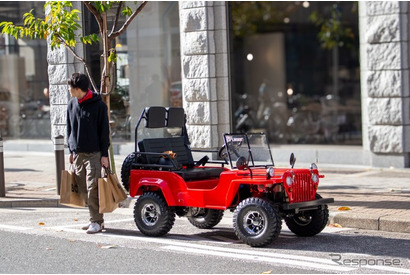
<point>232,149</point>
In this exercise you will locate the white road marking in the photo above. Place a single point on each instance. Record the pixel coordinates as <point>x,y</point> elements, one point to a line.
<point>13,227</point>
<point>254,255</point>
<point>387,268</point>
<point>78,225</point>
<point>239,254</point>
<point>293,260</point>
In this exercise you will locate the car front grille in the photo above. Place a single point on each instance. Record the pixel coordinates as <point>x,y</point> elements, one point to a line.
<point>303,188</point>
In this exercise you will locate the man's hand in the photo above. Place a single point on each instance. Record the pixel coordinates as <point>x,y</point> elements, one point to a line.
<point>104,162</point>
<point>71,158</point>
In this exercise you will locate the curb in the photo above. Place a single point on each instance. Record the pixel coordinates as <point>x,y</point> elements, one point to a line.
<point>387,223</point>
<point>15,203</point>
<point>18,203</point>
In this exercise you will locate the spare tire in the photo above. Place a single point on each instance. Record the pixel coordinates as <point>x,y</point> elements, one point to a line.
<point>126,170</point>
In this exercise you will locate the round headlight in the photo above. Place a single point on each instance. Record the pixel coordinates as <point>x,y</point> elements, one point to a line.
<point>315,178</point>
<point>270,172</point>
<point>289,180</point>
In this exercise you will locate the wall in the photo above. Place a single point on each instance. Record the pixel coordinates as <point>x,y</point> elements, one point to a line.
<point>61,65</point>
<point>205,71</point>
<point>384,41</point>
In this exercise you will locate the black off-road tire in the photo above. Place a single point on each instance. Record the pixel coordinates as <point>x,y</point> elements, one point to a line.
<point>257,222</point>
<point>208,220</point>
<point>309,223</point>
<point>126,170</point>
<point>152,215</point>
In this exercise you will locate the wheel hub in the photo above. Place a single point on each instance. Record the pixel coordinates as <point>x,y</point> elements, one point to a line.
<point>150,214</point>
<point>254,223</point>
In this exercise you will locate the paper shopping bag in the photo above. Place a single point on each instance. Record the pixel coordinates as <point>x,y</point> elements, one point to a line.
<point>69,191</point>
<point>117,190</point>
<point>106,197</point>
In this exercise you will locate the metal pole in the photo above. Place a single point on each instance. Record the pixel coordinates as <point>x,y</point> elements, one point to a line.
<point>60,163</point>
<point>2,181</point>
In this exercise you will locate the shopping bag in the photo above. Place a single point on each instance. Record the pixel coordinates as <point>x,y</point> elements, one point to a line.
<point>117,190</point>
<point>105,196</point>
<point>69,190</point>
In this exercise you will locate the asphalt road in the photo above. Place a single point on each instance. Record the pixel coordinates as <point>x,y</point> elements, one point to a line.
<point>49,240</point>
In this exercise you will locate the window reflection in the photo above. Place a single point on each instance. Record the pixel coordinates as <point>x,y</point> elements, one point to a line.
<point>24,101</point>
<point>293,77</point>
<point>148,71</point>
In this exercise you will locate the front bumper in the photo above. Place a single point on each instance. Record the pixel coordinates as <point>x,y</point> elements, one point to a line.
<point>307,204</point>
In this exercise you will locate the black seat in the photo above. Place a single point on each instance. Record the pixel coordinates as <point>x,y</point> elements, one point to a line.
<point>183,157</point>
<point>200,173</point>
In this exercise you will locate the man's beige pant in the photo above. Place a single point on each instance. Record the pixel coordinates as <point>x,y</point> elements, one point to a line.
<point>88,169</point>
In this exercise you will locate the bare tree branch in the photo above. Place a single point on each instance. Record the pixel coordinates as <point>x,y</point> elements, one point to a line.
<point>117,17</point>
<point>128,22</point>
<point>82,60</point>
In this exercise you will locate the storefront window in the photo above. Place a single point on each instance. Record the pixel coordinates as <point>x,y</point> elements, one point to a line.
<point>295,71</point>
<point>148,71</point>
<point>24,104</point>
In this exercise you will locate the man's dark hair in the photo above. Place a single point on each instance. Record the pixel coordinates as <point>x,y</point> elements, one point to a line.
<point>79,80</point>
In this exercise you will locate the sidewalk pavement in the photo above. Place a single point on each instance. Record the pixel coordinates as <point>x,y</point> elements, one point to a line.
<point>366,198</point>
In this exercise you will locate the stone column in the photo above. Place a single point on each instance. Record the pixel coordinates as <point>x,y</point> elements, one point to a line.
<point>205,71</point>
<point>384,43</point>
<point>61,65</point>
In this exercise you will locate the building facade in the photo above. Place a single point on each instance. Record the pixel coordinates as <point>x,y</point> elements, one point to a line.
<point>384,67</point>
<point>188,54</point>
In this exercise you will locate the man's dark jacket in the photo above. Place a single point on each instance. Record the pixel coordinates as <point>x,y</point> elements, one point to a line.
<point>87,126</point>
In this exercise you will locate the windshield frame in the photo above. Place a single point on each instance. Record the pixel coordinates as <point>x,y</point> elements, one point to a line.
<point>242,141</point>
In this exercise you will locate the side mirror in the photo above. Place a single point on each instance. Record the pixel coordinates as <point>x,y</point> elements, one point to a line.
<point>241,163</point>
<point>292,160</point>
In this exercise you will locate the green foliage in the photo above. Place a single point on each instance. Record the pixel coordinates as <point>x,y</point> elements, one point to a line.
<point>89,39</point>
<point>103,6</point>
<point>62,22</point>
<point>59,25</point>
<point>333,33</point>
<point>127,11</point>
<point>250,17</point>
<point>113,56</point>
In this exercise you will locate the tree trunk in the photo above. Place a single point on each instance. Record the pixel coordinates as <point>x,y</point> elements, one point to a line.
<point>105,82</point>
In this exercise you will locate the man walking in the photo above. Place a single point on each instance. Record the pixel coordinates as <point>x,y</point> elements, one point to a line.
<point>88,142</point>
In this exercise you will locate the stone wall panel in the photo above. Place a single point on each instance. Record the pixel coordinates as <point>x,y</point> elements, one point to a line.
<point>58,114</point>
<point>384,28</point>
<point>198,113</point>
<point>382,7</point>
<point>194,20</point>
<point>59,94</point>
<point>195,66</point>
<point>196,89</point>
<point>386,56</point>
<point>386,83</point>
<point>200,136</point>
<point>386,139</point>
<point>198,42</point>
<point>385,111</point>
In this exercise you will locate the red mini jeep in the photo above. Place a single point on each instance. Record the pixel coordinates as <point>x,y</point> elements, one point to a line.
<point>168,181</point>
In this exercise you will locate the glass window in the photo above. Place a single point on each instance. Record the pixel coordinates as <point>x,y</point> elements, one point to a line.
<point>148,71</point>
<point>24,104</point>
<point>295,71</point>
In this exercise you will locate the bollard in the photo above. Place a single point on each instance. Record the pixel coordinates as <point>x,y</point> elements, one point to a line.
<point>60,163</point>
<point>2,181</point>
